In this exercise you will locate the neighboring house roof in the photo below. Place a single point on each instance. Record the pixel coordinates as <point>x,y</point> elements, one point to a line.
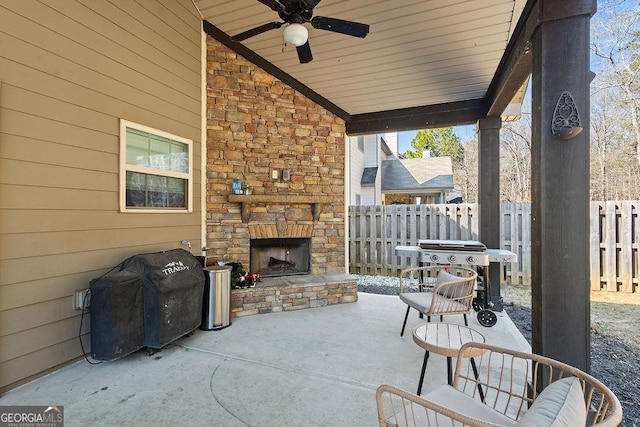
<point>369,176</point>
<point>417,175</point>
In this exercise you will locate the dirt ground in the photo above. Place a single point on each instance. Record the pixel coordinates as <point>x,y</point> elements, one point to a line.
<point>615,341</point>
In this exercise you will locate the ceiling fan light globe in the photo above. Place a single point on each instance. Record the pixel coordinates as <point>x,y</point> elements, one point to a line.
<point>295,34</point>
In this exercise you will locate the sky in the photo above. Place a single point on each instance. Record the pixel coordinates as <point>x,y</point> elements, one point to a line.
<point>466,133</point>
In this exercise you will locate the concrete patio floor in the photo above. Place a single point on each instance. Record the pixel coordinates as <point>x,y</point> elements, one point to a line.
<point>313,367</point>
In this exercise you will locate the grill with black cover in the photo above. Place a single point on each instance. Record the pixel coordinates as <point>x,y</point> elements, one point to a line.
<point>173,286</point>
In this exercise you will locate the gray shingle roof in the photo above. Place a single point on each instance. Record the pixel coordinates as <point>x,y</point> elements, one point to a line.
<point>417,175</point>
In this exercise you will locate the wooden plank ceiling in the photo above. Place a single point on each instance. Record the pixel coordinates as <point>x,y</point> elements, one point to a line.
<point>418,53</point>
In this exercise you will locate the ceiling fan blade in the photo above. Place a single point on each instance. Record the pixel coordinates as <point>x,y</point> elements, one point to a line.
<point>255,31</point>
<point>273,4</point>
<point>304,53</point>
<point>349,28</point>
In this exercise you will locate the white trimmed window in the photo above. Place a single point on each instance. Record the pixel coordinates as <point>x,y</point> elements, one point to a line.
<point>156,170</point>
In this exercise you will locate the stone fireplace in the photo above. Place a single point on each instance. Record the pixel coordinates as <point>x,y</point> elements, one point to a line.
<point>290,151</point>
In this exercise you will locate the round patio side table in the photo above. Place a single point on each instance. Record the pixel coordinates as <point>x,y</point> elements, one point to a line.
<point>446,339</point>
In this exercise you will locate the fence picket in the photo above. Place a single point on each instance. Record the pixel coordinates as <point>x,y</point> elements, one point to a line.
<point>635,246</point>
<point>524,254</point>
<point>595,251</point>
<point>626,248</point>
<point>610,245</point>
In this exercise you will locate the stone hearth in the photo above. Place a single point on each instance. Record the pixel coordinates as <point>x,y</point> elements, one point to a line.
<point>275,294</point>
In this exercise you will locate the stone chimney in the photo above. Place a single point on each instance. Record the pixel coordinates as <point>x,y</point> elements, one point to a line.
<point>258,128</point>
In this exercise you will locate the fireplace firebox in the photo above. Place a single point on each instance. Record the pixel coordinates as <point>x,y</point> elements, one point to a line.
<point>280,256</point>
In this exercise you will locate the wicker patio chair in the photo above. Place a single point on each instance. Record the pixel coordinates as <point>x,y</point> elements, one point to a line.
<point>519,389</point>
<point>452,291</point>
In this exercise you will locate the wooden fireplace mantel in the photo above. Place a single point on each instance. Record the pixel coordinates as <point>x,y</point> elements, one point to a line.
<point>279,199</point>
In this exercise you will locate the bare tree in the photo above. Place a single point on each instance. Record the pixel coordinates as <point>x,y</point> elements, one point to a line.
<point>515,168</point>
<point>616,42</point>
<point>615,101</point>
<point>465,173</point>
<point>601,143</point>
<point>515,164</point>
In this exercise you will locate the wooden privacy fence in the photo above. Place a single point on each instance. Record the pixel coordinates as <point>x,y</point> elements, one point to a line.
<point>375,231</point>
<point>614,246</point>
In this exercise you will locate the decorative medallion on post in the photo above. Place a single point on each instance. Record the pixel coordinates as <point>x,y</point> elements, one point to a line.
<point>566,123</point>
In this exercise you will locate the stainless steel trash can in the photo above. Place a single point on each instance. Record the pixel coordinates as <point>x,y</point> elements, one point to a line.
<point>216,306</point>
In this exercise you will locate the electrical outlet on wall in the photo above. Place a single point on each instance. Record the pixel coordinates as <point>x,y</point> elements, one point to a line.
<point>275,174</point>
<point>82,299</point>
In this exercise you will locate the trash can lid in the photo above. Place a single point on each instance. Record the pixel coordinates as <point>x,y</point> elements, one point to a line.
<point>217,267</point>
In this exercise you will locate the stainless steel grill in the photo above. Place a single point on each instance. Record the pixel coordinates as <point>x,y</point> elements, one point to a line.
<point>463,252</point>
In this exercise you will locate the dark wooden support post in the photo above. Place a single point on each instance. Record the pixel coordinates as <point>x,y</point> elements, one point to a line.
<point>560,185</point>
<point>489,195</point>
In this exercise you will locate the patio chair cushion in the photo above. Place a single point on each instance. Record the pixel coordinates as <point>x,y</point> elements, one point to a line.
<point>448,291</point>
<point>421,301</point>
<point>561,403</point>
<point>455,400</point>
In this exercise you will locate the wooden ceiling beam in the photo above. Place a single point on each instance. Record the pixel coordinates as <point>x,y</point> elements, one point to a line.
<point>424,117</point>
<point>515,65</point>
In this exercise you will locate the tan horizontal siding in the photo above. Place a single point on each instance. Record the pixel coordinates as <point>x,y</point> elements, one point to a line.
<point>135,90</point>
<point>29,365</point>
<point>22,172</point>
<point>41,128</point>
<point>39,221</point>
<point>19,197</point>
<point>71,69</point>
<point>34,103</point>
<point>153,38</point>
<point>35,339</point>
<point>180,35</point>
<point>47,152</point>
<point>34,315</point>
<point>15,74</point>
<point>19,172</point>
<point>186,14</point>
<point>112,32</point>
<point>22,270</point>
<point>38,291</point>
<point>56,151</point>
<point>76,242</point>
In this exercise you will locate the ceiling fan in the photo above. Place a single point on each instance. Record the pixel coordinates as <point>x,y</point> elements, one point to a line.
<point>295,13</point>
